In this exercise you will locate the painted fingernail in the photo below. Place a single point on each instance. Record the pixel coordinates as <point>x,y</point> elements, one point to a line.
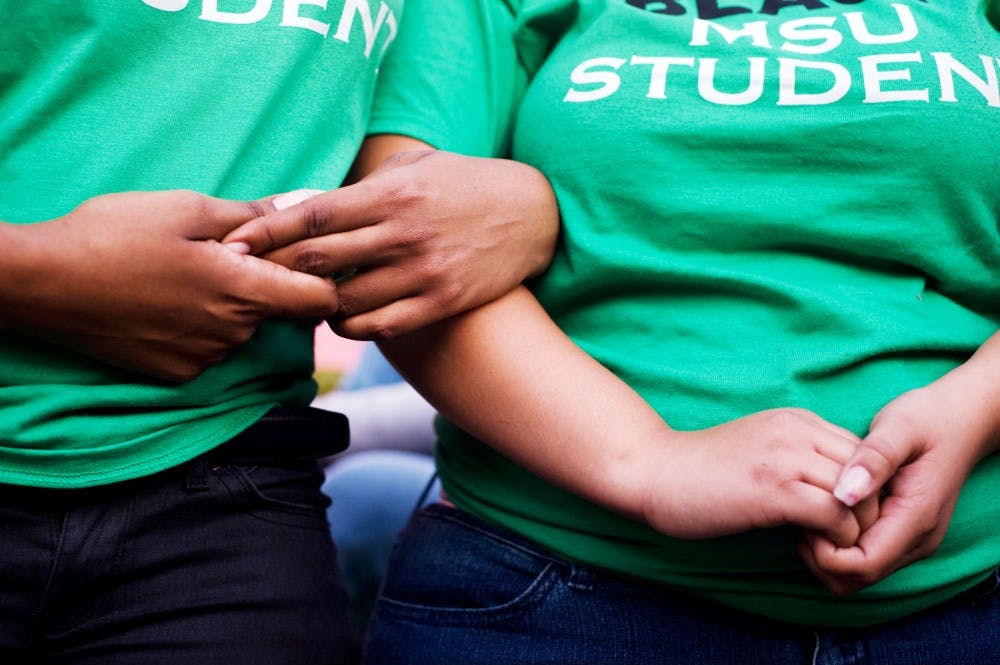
<point>853,485</point>
<point>288,199</point>
<point>238,247</point>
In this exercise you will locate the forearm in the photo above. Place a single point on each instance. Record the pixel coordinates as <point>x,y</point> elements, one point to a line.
<point>13,271</point>
<point>977,382</point>
<point>542,402</point>
<point>24,269</point>
<point>536,398</point>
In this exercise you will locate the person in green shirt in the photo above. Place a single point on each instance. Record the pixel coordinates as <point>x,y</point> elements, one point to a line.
<point>781,247</point>
<point>159,492</point>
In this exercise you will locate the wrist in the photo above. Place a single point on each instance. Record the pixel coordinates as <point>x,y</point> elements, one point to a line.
<point>973,392</point>
<point>661,476</point>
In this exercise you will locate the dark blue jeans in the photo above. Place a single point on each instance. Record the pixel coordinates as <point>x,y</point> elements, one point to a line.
<point>223,560</point>
<point>462,591</point>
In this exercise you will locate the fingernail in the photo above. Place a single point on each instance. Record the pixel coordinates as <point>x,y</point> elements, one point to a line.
<point>853,485</point>
<point>288,199</point>
<point>238,247</point>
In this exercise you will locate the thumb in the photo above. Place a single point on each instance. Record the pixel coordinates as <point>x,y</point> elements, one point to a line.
<point>873,463</point>
<point>206,217</point>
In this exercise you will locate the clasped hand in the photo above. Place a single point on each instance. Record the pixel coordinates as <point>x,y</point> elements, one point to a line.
<point>425,236</point>
<point>148,281</point>
<point>867,506</point>
<point>919,451</point>
<point>140,281</point>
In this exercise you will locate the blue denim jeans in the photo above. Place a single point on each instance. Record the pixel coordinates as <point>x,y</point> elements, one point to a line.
<point>226,559</point>
<point>462,591</point>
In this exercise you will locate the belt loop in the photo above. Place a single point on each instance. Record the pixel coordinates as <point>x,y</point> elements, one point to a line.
<point>581,578</point>
<point>197,480</point>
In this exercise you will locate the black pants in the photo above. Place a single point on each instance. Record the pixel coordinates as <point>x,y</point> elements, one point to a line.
<point>227,559</point>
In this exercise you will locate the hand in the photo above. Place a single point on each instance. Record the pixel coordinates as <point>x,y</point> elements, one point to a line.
<point>425,236</point>
<point>140,281</point>
<point>581,428</point>
<point>918,453</point>
<point>764,470</point>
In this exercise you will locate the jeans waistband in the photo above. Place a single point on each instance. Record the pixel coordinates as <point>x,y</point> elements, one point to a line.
<point>984,589</point>
<point>285,433</point>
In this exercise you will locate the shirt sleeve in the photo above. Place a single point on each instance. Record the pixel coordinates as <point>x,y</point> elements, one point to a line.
<point>452,78</point>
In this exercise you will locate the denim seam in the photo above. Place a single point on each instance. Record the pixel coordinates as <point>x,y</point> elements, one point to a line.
<point>244,475</point>
<point>56,558</point>
<point>535,591</point>
<point>296,515</point>
<point>100,607</point>
<point>297,508</point>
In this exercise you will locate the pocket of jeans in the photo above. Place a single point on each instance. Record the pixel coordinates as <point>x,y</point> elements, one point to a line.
<point>286,492</point>
<point>450,569</point>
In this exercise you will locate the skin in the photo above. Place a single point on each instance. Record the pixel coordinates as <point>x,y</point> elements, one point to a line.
<point>421,236</point>
<point>142,280</point>
<point>919,451</point>
<point>562,415</point>
<point>581,428</point>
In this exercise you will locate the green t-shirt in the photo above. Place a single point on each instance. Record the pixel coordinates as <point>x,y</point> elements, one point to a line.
<point>237,100</point>
<point>462,77</point>
<point>765,204</point>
